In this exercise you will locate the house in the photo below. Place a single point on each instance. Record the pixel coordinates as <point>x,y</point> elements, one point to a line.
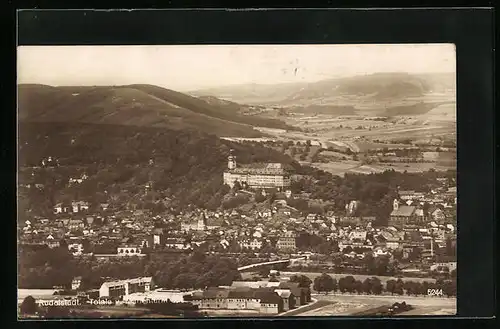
<point>252,244</point>
<point>270,302</point>
<point>357,236</point>
<point>52,242</point>
<point>76,283</point>
<point>125,287</point>
<point>61,208</point>
<point>287,242</point>
<point>214,223</point>
<point>212,298</point>
<point>79,206</point>
<point>438,215</point>
<point>89,221</point>
<point>75,224</point>
<point>175,243</point>
<point>377,252</point>
<point>75,248</point>
<point>450,265</point>
<point>242,299</point>
<point>158,238</point>
<point>311,216</point>
<point>406,195</point>
<point>128,250</point>
<point>287,297</point>
<point>302,295</point>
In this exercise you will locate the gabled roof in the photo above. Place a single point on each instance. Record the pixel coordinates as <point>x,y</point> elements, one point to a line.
<point>268,297</point>
<point>405,211</point>
<point>284,293</point>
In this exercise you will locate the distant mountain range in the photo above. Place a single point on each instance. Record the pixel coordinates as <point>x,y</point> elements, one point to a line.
<point>377,87</point>
<point>137,105</point>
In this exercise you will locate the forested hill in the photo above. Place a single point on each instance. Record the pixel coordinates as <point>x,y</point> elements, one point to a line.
<point>186,165</point>
<point>138,105</point>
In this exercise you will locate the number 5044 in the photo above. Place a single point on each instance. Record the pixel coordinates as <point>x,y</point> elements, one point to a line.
<point>434,292</point>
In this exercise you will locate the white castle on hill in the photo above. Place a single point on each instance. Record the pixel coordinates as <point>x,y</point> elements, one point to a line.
<point>262,175</point>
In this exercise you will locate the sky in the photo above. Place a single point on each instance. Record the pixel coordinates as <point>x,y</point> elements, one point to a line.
<point>187,68</point>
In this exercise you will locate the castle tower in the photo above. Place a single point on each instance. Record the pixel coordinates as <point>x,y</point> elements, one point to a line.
<point>231,161</point>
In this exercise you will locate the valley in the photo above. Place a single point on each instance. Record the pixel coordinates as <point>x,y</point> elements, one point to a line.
<point>364,118</point>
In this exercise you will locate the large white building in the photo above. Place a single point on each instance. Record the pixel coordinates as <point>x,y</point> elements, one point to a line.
<point>125,287</point>
<point>265,175</point>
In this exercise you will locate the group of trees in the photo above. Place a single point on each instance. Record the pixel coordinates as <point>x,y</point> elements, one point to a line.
<point>46,268</point>
<point>184,165</point>
<point>311,242</point>
<point>373,286</point>
<point>375,191</point>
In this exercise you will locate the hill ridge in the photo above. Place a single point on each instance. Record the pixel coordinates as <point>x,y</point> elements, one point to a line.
<point>141,105</point>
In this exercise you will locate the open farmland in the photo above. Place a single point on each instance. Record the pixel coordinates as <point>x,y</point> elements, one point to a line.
<point>343,305</point>
<point>349,166</point>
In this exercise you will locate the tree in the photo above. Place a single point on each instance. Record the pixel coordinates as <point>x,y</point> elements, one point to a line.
<point>399,287</point>
<point>324,283</point>
<point>390,286</point>
<point>376,286</point>
<point>237,185</point>
<point>417,288</point>
<point>29,306</point>
<point>347,284</point>
<point>367,286</point>
<point>302,280</point>
<point>358,286</point>
<point>259,197</point>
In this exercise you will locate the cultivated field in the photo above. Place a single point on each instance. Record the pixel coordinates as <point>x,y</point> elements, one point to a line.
<point>352,304</point>
<point>349,166</point>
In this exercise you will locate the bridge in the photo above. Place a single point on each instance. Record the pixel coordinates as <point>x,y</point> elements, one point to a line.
<point>283,261</point>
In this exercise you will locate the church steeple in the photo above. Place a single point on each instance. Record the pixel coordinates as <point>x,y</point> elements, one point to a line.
<point>395,204</point>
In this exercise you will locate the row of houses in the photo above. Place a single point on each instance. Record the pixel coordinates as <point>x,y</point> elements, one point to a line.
<point>262,296</point>
<point>265,297</point>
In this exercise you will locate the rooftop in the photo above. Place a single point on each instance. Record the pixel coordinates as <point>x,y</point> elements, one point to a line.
<point>405,211</point>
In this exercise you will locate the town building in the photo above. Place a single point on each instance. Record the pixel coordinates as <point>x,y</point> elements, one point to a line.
<point>264,175</point>
<point>76,283</point>
<point>287,242</point>
<point>125,287</point>
<point>263,300</point>
<point>198,225</point>
<point>401,216</point>
<point>128,250</point>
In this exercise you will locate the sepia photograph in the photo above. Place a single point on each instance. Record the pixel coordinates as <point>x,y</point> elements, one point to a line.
<point>236,181</point>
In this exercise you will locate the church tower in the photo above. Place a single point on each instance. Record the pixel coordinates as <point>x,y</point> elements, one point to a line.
<point>231,161</point>
<point>395,205</point>
<point>202,222</point>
